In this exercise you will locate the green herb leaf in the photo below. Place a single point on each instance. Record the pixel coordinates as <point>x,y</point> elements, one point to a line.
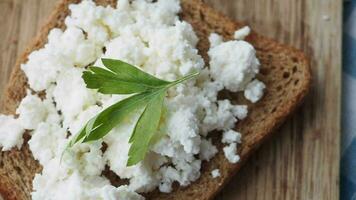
<point>130,72</point>
<point>101,125</point>
<point>148,94</point>
<point>122,79</point>
<point>145,128</point>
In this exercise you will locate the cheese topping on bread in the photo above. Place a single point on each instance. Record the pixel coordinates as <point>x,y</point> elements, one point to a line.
<point>151,36</point>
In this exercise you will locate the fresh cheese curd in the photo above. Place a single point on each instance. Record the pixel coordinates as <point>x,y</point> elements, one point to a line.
<point>10,133</point>
<point>215,173</point>
<point>149,35</point>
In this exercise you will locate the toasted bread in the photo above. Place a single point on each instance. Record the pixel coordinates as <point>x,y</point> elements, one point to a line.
<point>284,70</point>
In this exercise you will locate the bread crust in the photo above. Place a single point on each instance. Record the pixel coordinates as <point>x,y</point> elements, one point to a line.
<point>285,71</point>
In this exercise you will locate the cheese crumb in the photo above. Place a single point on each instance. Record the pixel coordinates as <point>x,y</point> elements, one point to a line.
<point>215,40</point>
<point>240,111</point>
<point>11,132</point>
<point>254,90</point>
<point>42,69</point>
<point>72,45</point>
<point>231,136</point>
<point>122,192</point>
<point>32,110</point>
<point>230,153</point>
<point>47,141</point>
<point>242,33</point>
<point>182,127</point>
<point>89,17</point>
<point>234,64</point>
<point>71,94</point>
<point>207,150</point>
<point>215,173</point>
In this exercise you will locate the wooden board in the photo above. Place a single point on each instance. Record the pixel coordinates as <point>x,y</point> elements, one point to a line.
<point>301,163</point>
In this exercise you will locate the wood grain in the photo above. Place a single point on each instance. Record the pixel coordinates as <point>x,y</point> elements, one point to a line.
<point>301,163</point>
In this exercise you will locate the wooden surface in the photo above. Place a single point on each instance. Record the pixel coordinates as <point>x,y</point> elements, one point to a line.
<point>299,162</point>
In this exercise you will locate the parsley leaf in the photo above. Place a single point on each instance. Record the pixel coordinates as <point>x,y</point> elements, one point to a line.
<point>148,94</point>
<point>145,128</point>
<point>120,78</point>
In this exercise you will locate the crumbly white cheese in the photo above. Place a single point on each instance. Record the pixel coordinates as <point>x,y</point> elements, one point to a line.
<point>231,136</point>
<point>42,68</point>
<point>89,17</point>
<point>215,173</point>
<point>215,40</point>
<point>109,192</point>
<point>242,33</point>
<point>233,63</point>
<point>207,150</point>
<point>63,50</point>
<point>32,111</point>
<point>71,95</point>
<point>167,52</point>
<point>47,142</point>
<point>72,45</point>
<point>86,158</point>
<point>254,90</point>
<point>230,153</point>
<point>223,115</point>
<point>184,174</point>
<point>182,126</point>
<point>58,182</point>
<point>11,132</point>
<point>151,36</point>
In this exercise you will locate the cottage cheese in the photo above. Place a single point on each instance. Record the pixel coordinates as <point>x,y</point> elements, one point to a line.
<point>231,136</point>
<point>47,142</point>
<point>151,36</point>
<point>11,133</point>
<point>32,111</point>
<point>215,173</point>
<point>72,45</point>
<point>182,126</point>
<point>71,95</point>
<point>207,150</point>
<point>215,40</point>
<point>234,64</point>
<point>89,17</point>
<point>86,158</point>
<point>57,183</point>
<point>42,69</point>
<point>230,153</point>
<point>242,33</point>
<point>254,90</point>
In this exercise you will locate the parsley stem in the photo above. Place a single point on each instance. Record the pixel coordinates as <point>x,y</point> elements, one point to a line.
<point>189,76</point>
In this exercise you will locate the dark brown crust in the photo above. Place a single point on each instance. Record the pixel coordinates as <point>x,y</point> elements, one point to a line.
<point>284,69</point>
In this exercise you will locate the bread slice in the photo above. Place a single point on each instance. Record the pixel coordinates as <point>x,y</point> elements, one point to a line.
<point>284,70</point>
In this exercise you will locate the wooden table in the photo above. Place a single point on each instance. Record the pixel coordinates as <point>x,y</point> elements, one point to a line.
<point>301,163</point>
